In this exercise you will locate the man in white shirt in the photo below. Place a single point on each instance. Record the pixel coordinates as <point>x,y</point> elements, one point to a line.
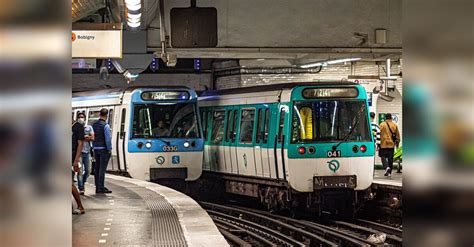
<point>83,174</point>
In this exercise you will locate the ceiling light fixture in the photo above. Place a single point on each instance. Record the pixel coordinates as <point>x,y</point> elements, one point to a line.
<point>133,13</point>
<point>328,62</point>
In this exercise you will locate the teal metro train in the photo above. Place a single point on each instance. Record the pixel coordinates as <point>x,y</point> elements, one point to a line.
<point>290,145</point>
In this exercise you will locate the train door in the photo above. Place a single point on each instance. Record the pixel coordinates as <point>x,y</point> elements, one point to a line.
<point>227,140</point>
<point>217,136</point>
<point>120,140</point>
<point>205,114</point>
<point>245,151</point>
<point>262,145</point>
<point>279,147</point>
<point>231,141</point>
<point>114,166</point>
<point>258,142</point>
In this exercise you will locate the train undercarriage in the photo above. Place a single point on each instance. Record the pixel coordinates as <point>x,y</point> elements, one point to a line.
<point>276,195</point>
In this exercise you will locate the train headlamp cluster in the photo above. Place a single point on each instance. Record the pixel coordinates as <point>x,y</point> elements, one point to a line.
<point>356,148</point>
<point>148,145</point>
<point>302,150</point>
<point>186,144</point>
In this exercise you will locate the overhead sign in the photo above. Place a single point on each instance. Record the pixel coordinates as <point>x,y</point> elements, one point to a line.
<point>97,40</point>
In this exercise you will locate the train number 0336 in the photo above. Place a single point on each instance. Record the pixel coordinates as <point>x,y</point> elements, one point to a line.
<point>170,148</point>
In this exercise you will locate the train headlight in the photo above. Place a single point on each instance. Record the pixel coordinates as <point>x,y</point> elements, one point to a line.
<point>148,145</point>
<point>186,144</point>
<point>355,149</point>
<point>301,150</point>
<point>311,150</point>
<point>363,148</point>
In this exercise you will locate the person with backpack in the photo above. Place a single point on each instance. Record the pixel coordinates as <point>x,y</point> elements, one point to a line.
<point>389,140</point>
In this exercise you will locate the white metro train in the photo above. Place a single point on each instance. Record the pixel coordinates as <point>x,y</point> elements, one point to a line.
<point>156,133</point>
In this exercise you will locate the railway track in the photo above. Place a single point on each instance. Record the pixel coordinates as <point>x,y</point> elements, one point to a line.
<point>302,232</point>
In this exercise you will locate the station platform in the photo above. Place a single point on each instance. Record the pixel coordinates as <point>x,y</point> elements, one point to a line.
<point>140,213</point>
<point>393,182</point>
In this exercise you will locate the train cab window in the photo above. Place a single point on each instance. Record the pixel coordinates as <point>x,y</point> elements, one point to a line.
<point>330,121</point>
<point>266,127</point>
<point>281,124</point>
<point>247,126</point>
<point>165,121</point>
<point>217,133</point>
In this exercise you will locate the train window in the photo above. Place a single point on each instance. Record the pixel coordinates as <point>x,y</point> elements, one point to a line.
<point>230,125</point>
<point>122,123</point>
<point>204,123</point>
<point>281,124</point>
<point>234,125</point>
<point>259,126</point>
<point>247,126</point>
<point>111,118</point>
<point>266,127</point>
<point>217,133</point>
<point>93,116</point>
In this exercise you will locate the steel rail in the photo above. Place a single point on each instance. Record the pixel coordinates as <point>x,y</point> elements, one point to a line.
<point>225,225</point>
<point>270,234</point>
<point>331,234</point>
<point>310,238</point>
<point>366,232</point>
<point>381,227</point>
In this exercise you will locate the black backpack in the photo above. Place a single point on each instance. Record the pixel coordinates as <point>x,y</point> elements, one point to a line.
<point>394,137</point>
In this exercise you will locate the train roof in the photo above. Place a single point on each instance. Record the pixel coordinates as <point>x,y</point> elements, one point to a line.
<point>121,90</point>
<point>272,87</point>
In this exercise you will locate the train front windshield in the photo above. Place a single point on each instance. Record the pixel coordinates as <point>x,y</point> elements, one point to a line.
<point>171,120</point>
<point>330,121</point>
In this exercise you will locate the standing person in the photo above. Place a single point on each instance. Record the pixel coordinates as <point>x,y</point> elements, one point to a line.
<point>102,150</point>
<point>77,144</point>
<point>89,136</point>
<point>390,138</point>
<point>375,131</point>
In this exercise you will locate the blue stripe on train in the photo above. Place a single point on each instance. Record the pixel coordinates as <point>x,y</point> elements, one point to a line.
<point>159,146</point>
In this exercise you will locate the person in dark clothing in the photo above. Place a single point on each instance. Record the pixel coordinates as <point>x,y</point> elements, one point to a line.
<point>77,143</point>
<point>102,150</point>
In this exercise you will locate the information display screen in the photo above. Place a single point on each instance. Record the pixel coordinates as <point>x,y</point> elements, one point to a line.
<point>161,95</point>
<point>313,93</point>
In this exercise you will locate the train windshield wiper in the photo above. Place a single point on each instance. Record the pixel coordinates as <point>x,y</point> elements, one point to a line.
<point>165,142</point>
<point>348,134</point>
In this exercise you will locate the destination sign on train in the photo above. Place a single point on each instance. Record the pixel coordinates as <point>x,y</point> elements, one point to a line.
<point>311,93</point>
<point>160,95</point>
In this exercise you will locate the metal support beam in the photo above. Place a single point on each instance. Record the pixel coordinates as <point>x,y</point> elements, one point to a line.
<point>283,53</point>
